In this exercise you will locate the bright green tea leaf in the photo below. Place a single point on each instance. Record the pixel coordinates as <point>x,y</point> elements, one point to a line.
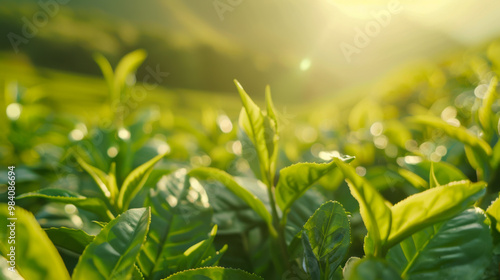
<point>412,178</point>
<point>260,131</point>
<point>459,248</point>
<point>273,121</point>
<point>98,175</point>
<point>214,259</point>
<point>35,255</point>
<point>114,250</point>
<point>195,255</point>
<point>135,181</point>
<point>372,206</point>
<point>493,212</point>
<point>294,180</point>
<point>127,65</point>
<point>444,172</point>
<point>485,113</point>
<point>431,206</point>
<point>106,69</point>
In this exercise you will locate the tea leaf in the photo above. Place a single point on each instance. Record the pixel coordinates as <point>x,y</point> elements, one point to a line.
<point>114,250</point>
<point>135,181</point>
<point>36,257</point>
<point>196,254</point>
<point>459,133</point>
<point>228,181</point>
<point>372,206</point>
<point>485,114</point>
<point>99,176</point>
<point>261,132</point>
<point>127,65</point>
<point>370,268</point>
<point>74,240</point>
<point>433,182</point>
<point>92,204</point>
<point>214,273</point>
<point>459,248</point>
<point>328,235</point>
<point>296,179</point>
<point>310,259</point>
<point>181,217</point>
<point>431,206</point>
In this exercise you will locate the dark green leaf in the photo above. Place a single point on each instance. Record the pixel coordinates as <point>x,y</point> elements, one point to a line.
<point>329,236</point>
<point>459,248</point>
<point>74,240</point>
<point>310,259</point>
<point>91,204</point>
<point>114,250</point>
<point>181,217</point>
<point>231,214</point>
<point>214,273</point>
<point>228,181</point>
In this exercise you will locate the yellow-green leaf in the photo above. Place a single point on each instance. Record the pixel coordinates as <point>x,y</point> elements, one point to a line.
<point>260,131</point>
<point>374,210</point>
<point>135,181</point>
<point>298,178</point>
<point>485,113</point>
<point>35,255</point>
<point>431,206</point>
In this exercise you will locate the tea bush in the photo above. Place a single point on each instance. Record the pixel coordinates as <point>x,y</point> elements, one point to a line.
<point>401,184</point>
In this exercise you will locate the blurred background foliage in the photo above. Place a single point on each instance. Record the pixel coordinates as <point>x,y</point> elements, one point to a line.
<point>427,61</point>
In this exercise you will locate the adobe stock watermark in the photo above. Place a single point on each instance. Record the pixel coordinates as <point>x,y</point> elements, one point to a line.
<point>224,6</point>
<point>11,219</point>
<point>47,10</point>
<point>363,37</point>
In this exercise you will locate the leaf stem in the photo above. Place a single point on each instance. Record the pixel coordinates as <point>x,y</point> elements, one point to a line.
<point>279,239</point>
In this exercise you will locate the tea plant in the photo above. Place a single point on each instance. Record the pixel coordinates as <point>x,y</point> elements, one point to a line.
<point>144,210</point>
